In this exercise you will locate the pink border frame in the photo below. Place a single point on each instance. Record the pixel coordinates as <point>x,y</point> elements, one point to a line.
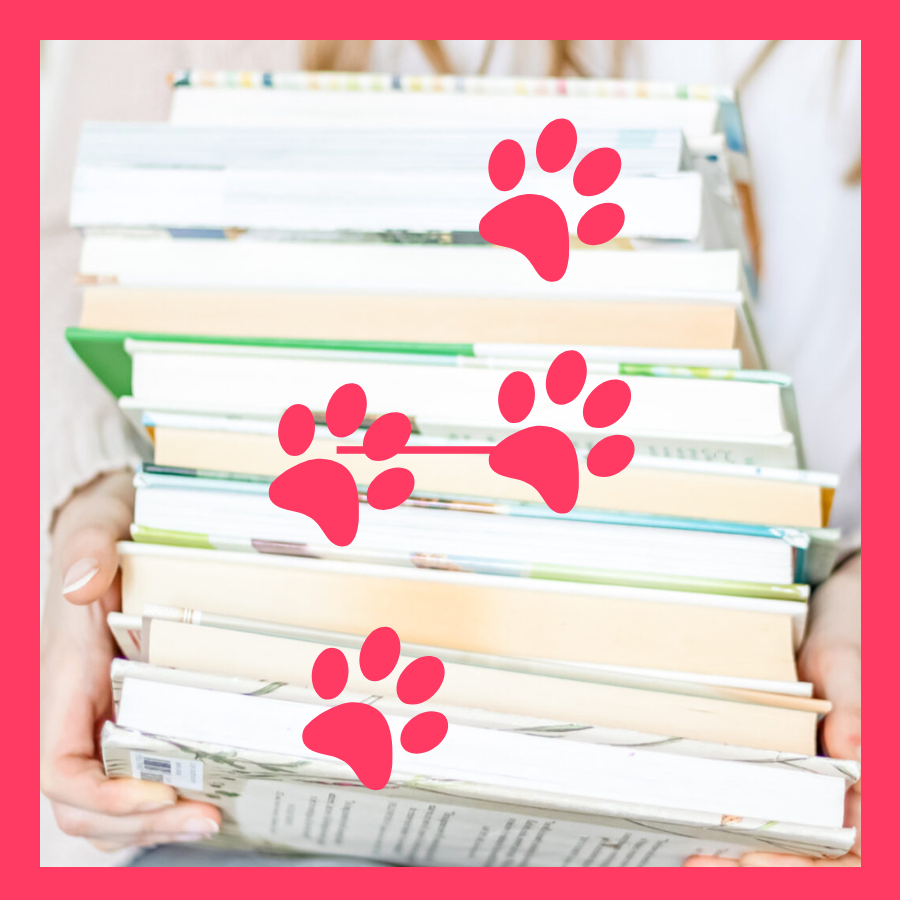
<point>21,397</point>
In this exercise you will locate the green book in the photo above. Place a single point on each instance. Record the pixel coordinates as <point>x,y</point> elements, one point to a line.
<point>103,352</point>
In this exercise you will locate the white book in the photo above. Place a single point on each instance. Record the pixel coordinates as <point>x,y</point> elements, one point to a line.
<point>734,420</point>
<point>657,356</point>
<point>554,729</point>
<point>564,777</point>
<point>242,510</point>
<point>280,803</point>
<point>467,754</point>
<point>155,259</point>
<point>664,207</point>
<point>422,148</point>
<point>312,100</point>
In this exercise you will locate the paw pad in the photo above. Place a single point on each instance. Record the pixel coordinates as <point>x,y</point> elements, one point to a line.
<point>323,489</point>
<point>566,377</point>
<point>534,225</point>
<point>545,457</point>
<point>358,734</point>
<point>506,165</point>
<point>556,145</point>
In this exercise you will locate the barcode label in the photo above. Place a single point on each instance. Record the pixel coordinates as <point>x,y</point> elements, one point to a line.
<point>179,773</point>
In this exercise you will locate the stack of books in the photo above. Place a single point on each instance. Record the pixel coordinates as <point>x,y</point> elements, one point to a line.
<point>619,679</point>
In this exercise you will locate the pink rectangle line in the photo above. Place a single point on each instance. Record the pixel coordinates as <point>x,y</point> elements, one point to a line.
<point>425,449</point>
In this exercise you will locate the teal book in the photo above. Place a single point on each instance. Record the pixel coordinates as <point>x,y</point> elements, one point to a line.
<point>176,485</point>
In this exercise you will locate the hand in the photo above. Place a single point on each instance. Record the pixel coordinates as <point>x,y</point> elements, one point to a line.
<point>830,659</point>
<point>76,696</point>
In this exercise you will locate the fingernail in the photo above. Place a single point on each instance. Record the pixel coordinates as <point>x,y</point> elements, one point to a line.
<point>197,829</point>
<point>80,574</point>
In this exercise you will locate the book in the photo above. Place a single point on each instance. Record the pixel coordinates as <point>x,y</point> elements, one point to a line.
<point>474,613</point>
<point>616,331</point>
<point>525,536</point>
<point>132,635</point>
<point>595,772</point>
<point>277,803</point>
<point>142,534</point>
<point>343,146</point>
<point>450,103</point>
<point>242,262</point>
<point>568,698</point>
<point>816,548</point>
<point>619,681</point>
<point>707,115</point>
<point>211,444</point>
<point>234,261</point>
<point>137,175</point>
<point>848,770</point>
<point>747,418</point>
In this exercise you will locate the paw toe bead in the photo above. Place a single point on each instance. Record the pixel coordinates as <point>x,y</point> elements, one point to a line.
<point>516,396</point>
<point>506,165</point>
<point>346,410</point>
<point>330,672</point>
<point>566,377</point>
<point>556,145</point>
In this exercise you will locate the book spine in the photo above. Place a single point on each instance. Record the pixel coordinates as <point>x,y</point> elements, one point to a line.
<point>374,82</point>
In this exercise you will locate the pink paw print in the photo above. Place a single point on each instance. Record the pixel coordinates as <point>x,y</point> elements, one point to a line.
<point>323,489</point>
<point>545,457</point>
<point>358,734</point>
<point>535,225</point>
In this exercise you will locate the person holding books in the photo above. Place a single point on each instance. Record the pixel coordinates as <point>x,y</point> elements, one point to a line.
<point>810,324</point>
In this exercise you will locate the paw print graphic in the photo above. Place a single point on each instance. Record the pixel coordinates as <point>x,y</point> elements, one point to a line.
<point>323,489</point>
<point>545,457</point>
<point>535,225</point>
<point>358,734</point>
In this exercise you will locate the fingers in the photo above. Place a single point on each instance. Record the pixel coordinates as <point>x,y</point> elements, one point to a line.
<point>89,562</point>
<point>709,862</point>
<point>830,658</point>
<point>840,733</point>
<point>835,670</point>
<point>182,821</point>
<point>80,782</point>
<point>86,533</point>
<point>773,860</point>
<point>840,678</point>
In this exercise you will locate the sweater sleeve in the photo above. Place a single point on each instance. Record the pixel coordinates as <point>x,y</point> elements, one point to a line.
<point>83,433</point>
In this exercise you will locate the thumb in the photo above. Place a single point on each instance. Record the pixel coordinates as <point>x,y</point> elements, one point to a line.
<point>86,537</point>
<point>90,561</point>
<point>841,684</point>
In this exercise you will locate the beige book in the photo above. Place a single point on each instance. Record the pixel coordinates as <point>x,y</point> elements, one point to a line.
<point>473,613</point>
<point>639,489</point>
<point>412,319</point>
<point>239,654</point>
